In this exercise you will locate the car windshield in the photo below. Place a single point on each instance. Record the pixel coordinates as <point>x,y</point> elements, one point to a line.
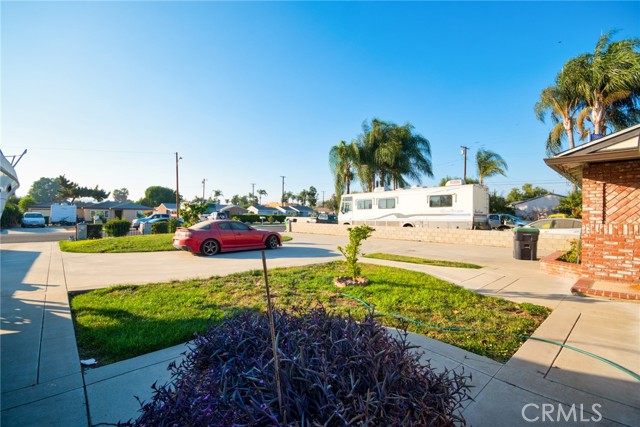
<point>33,215</point>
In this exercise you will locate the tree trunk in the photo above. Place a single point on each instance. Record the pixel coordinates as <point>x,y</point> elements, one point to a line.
<point>568,128</point>
<point>597,116</point>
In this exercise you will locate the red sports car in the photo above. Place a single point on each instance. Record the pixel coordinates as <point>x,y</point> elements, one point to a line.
<point>210,237</point>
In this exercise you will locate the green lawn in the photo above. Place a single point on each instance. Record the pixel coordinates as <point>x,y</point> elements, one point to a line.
<point>146,243</point>
<point>414,260</point>
<point>125,321</point>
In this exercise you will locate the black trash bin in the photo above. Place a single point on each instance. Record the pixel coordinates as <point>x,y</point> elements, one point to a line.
<point>525,243</point>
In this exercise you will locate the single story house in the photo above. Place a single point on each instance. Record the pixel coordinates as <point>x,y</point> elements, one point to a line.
<point>609,170</point>
<point>232,210</point>
<point>214,207</point>
<point>538,207</point>
<point>110,210</point>
<point>263,210</point>
<point>167,208</point>
<point>287,210</point>
<point>302,210</point>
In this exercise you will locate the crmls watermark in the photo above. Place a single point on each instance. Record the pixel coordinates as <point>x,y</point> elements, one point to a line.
<point>549,412</point>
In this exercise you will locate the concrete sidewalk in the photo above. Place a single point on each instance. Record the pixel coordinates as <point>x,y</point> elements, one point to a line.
<point>42,383</point>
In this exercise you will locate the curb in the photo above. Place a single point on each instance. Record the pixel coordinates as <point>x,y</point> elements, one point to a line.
<point>584,287</point>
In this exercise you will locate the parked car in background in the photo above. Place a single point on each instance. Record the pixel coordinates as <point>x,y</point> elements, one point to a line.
<point>324,218</point>
<point>163,219</point>
<point>136,222</point>
<point>504,221</point>
<point>210,237</point>
<point>32,219</point>
<point>558,225</point>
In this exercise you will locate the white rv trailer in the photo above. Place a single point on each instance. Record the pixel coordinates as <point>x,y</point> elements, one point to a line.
<point>455,205</point>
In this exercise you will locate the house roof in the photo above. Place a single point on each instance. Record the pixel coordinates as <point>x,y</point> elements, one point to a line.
<point>232,207</point>
<point>536,198</point>
<point>301,208</point>
<point>285,209</point>
<point>621,145</point>
<point>261,208</point>
<point>118,205</point>
<point>170,206</point>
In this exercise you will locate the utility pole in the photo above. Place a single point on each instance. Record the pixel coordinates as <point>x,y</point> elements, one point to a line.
<point>253,189</point>
<point>464,153</point>
<point>282,200</point>
<point>177,188</point>
<point>323,198</point>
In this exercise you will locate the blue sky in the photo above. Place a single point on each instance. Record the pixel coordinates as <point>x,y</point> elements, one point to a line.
<point>107,92</point>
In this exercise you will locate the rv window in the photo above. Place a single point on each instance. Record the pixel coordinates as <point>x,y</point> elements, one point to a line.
<point>440,201</point>
<point>386,203</point>
<point>346,207</point>
<point>364,204</point>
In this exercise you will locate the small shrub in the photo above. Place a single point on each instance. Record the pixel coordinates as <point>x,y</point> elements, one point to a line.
<point>574,254</point>
<point>11,215</point>
<point>94,231</point>
<point>160,227</point>
<point>351,252</point>
<point>173,224</point>
<point>333,371</point>
<point>117,227</point>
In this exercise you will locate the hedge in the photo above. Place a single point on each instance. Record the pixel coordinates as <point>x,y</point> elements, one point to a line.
<point>94,231</point>
<point>160,227</point>
<point>117,227</point>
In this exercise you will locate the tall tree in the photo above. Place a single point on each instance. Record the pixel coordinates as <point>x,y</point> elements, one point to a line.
<point>562,103</point>
<point>302,197</point>
<point>312,196</point>
<point>45,190</point>
<point>70,191</point>
<point>609,82</point>
<point>527,192</point>
<point>489,164</point>
<point>342,158</point>
<point>391,154</point>
<point>120,195</point>
<point>260,194</point>
<point>216,196</point>
<point>156,195</point>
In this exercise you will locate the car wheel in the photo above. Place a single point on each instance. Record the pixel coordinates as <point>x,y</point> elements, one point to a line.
<point>210,247</point>
<point>503,228</point>
<point>272,242</point>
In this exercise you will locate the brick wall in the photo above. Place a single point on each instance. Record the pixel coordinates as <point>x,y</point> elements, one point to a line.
<point>551,265</point>
<point>611,221</point>
<point>546,243</point>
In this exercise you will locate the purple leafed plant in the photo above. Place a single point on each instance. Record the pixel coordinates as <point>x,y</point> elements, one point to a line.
<point>334,371</point>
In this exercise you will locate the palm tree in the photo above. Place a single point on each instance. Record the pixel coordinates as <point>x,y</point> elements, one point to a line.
<point>561,102</point>
<point>261,193</point>
<point>609,82</point>
<point>392,154</point>
<point>414,160</point>
<point>216,196</point>
<point>490,164</point>
<point>341,159</point>
<point>302,197</point>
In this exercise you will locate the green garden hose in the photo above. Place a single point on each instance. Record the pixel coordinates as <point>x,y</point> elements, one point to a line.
<point>459,329</point>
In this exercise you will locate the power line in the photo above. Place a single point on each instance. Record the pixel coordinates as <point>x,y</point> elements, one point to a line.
<point>101,151</point>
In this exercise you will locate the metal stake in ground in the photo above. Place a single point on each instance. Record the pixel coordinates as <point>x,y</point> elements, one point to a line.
<point>274,344</point>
